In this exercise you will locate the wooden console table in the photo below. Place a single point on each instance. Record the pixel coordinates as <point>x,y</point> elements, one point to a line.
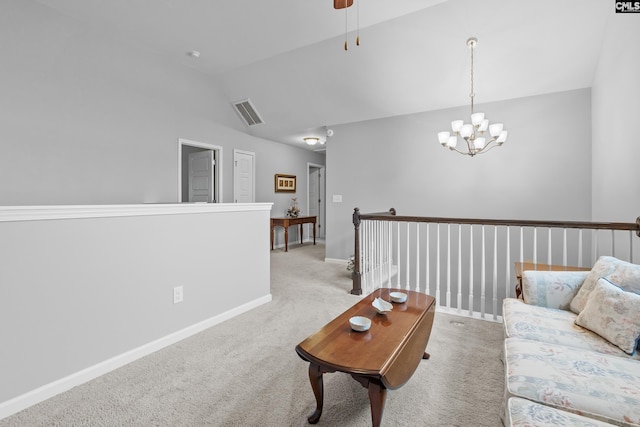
<point>530,265</point>
<point>384,357</point>
<point>287,222</point>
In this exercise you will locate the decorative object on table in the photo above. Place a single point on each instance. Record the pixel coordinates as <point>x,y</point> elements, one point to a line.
<point>359,323</point>
<point>398,297</point>
<point>473,134</point>
<point>294,210</point>
<point>285,183</point>
<point>381,306</point>
<point>351,263</point>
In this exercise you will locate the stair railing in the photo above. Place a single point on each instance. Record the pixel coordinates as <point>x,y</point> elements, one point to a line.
<point>467,264</point>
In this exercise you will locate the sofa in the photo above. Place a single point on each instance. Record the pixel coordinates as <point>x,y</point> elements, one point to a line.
<point>571,348</point>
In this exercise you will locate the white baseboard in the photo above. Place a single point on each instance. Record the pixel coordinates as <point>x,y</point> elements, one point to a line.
<point>337,261</point>
<point>465,313</point>
<point>47,391</point>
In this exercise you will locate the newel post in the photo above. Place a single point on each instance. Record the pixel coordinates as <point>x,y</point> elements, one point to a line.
<point>356,275</point>
<point>638,224</point>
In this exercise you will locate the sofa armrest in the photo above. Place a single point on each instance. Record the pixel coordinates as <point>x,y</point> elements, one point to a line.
<point>552,289</point>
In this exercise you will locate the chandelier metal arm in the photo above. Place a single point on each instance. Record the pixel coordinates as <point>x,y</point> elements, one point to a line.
<point>461,152</point>
<point>488,147</point>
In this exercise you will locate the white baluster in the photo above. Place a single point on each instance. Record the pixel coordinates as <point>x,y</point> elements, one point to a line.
<point>495,272</point>
<point>580,247</point>
<point>408,257</point>
<point>427,285</point>
<point>482,279</point>
<point>471,285</point>
<point>613,243</point>
<point>459,299</point>
<point>564,247</point>
<point>417,257</point>
<point>549,262</point>
<point>438,263</point>
<point>448,265</point>
<point>379,264</point>
<point>521,244</point>
<point>508,265</point>
<point>399,259</point>
<point>389,251</point>
<point>535,245</point>
<point>595,239</point>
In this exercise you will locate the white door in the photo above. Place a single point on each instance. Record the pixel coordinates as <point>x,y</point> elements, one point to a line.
<point>201,165</point>
<point>316,198</point>
<point>243,177</point>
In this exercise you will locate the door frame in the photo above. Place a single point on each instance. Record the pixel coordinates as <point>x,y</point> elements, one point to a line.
<point>324,196</point>
<point>217,180</point>
<point>253,172</point>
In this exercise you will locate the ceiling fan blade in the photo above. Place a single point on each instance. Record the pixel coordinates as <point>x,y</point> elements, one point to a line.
<point>341,4</point>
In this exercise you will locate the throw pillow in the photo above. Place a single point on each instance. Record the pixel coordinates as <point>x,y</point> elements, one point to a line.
<point>553,289</point>
<point>624,274</point>
<point>613,314</point>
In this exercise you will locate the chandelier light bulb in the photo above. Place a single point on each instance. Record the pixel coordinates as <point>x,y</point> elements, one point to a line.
<point>466,131</point>
<point>443,137</point>
<point>456,125</point>
<point>477,119</point>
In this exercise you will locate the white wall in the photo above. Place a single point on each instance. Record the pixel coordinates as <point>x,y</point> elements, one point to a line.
<point>90,120</point>
<point>88,294</point>
<point>616,114</point>
<point>542,172</point>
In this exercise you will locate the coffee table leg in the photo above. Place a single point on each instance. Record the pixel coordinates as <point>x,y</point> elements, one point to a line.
<point>315,376</point>
<point>377,396</point>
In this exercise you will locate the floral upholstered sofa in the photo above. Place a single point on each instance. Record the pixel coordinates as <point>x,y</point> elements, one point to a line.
<point>571,347</point>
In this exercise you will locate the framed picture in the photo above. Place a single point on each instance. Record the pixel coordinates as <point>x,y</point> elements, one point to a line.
<point>285,183</point>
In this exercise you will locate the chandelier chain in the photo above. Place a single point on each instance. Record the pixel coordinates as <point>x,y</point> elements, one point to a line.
<point>472,94</point>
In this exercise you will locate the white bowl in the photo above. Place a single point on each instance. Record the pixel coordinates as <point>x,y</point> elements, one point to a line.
<point>381,306</point>
<point>359,323</point>
<point>398,296</point>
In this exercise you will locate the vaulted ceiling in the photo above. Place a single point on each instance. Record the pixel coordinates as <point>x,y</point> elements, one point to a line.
<point>287,56</point>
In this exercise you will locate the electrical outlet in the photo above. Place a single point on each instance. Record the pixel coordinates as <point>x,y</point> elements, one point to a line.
<point>178,294</point>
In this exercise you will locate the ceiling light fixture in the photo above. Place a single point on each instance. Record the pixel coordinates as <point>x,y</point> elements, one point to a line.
<point>311,140</point>
<point>473,133</point>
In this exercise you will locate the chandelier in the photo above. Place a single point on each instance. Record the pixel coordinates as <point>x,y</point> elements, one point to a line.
<point>474,133</point>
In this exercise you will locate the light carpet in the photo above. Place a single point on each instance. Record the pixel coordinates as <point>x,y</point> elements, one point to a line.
<point>245,371</point>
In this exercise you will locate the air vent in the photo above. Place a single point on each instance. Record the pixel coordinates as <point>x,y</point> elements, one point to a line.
<point>248,112</point>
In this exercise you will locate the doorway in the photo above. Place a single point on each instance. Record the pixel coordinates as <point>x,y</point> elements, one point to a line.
<point>199,172</point>
<point>316,197</point>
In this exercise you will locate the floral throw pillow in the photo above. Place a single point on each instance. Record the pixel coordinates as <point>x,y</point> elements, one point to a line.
<point>553,289</point>
<point>613,314</point>
<point>624,274</point>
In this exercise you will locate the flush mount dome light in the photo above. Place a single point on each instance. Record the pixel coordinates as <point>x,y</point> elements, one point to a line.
<point>311,140</point>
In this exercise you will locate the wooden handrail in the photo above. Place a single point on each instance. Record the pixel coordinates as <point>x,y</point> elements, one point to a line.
<point>391,215</point>
<point>628,226</point>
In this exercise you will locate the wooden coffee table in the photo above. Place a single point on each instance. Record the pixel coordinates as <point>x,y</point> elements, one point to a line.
<point>384,357</point>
